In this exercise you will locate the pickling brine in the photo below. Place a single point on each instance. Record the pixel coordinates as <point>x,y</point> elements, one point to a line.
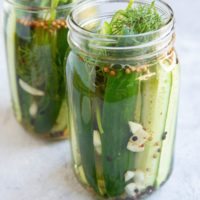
<point>37,48</point>
<point>123,87</point>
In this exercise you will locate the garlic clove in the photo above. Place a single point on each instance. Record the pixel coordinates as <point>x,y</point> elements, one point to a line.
<point>134,147</point>
<point>132,190</point>
<point>29,89</point>
<point>139,177</point>
<point>134,127</point>
<point>129,175</point>
<point>33,109</point>
<point>97,141</point>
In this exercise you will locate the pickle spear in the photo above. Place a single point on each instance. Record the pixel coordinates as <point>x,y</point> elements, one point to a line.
<point>155,101</point>
<point>118,109</point>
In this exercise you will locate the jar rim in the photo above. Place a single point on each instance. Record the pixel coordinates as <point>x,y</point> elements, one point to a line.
<point>151,44</point>
<point>39,8</point>
<point>169,23</point>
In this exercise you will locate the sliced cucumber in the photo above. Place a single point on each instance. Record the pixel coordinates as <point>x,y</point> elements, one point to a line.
<point>81,173</point>
<point>74,141</point>
<point>10,46</point>
<point>155,92</point>
<point>84,126</point>
<point>61,121</point>
<point>170,128</point>
<point>85,139</point>
<point>137,114</point>
<point>118,109</point>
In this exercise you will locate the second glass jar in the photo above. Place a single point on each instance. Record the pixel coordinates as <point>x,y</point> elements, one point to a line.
<point>37,48</point>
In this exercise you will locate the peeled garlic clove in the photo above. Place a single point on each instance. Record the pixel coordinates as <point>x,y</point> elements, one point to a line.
<point>134,127</point>
<point>133,147</point>
<point>97,141</point>
<point>132,190</point>
<point>129,175</point>
<point>143,134</point>
<point>142,137</point>
<point>139,177</point>
<point>29,89</point>
<point>33,109</point>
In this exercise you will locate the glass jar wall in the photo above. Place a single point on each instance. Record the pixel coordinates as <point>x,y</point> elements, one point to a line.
<point>123,100</point>
<point>36,47</point>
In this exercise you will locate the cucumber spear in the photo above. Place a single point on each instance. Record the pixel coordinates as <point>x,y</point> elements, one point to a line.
<point>118,109</point>
<point>155,103</point>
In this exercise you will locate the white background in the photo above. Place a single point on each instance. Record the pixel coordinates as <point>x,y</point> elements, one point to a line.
<point>33,169</point>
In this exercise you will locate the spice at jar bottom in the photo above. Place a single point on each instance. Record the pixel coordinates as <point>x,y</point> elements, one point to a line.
<point>123,84</point>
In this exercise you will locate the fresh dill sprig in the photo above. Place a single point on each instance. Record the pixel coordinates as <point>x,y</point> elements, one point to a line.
<point>134,20</point>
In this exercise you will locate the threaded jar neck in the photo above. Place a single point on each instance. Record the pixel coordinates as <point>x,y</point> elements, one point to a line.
<point>86,19</point>
<point>38,5</point>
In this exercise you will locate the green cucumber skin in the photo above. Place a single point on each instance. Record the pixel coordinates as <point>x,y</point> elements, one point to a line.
<point>62,119</point>
<point>82,118</point>
<point>84,133</point>
<point>51,103</point>
<point>155,102</point>
<point>72,120</point>
<point>170,128</point>
<point>51,66</point>
<point>118,109</point>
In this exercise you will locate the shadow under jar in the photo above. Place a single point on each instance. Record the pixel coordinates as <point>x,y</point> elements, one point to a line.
<point>123,100</point>
<point>36,48</point>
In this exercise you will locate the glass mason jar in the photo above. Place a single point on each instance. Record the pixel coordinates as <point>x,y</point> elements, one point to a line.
<point>123,102</point>
<point>36,48</point>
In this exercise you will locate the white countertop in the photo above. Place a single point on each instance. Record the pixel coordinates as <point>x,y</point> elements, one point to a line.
<point>33,169</point>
